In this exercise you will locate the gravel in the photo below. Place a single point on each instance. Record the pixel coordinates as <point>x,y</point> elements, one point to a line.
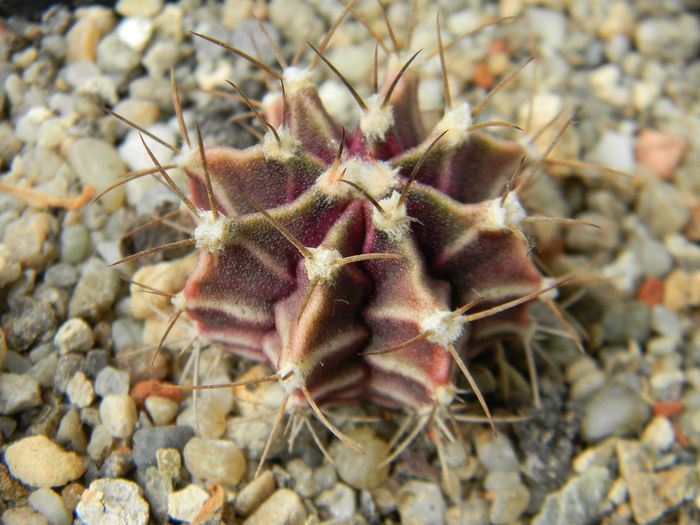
<point>616,435</point>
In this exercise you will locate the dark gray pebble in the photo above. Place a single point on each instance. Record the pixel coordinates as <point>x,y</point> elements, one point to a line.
<point>118,464</point>
<point>148,440</point>
<point>94,361</point>
<point>28,321</point>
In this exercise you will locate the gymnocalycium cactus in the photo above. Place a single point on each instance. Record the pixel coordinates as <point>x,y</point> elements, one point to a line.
<point>348,262</point>
<point>368,265</point>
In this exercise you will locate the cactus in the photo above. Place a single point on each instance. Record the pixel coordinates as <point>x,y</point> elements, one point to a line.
<point>367,265</point>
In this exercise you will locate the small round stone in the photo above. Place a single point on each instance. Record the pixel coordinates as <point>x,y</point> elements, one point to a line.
<point>18,392</point>
<point>614,410</point>
<point>75,335</point>
<point>118,415</point>
<point>80,390</point>
<point>109,380</point>
<point>39,462</point>
<point>23,515</point>
<point>254,493</point>
<point>111,501</point>
<point>284,506</point>
<point>360,470</point>
<point>213,460</point>
<point>50,505</point>
<point>161,409</point>
<point>184,504</point>
<point>147,441</point>
<point>339,501</point>
<point>100,443</point>
<point>421,503</point>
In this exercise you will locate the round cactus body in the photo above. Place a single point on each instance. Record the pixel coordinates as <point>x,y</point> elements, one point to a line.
<point>356,264</point>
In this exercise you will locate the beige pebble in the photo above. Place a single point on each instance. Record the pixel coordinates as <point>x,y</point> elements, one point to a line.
<point>360,470</point>
<point>141,112</point>
<point>254,493</point>
<point>39,462</point>
<point>161,410</point>
<point>284,506</point>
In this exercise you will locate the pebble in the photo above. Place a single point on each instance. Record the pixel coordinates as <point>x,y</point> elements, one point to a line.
<point>23,515</point>
<point>109,380</point>
<point>80,391</point>
<point>135,32</point>
<point>208,420</point>
<point>27,322</point>
<point>157,488</point>
<point>660,151</point>
<point>671,39</point>
<point>577,502</point>
<point>74,244</point>
<point>358,470</point>
<point>100,444</point>
<point>254,493</point>
<point>111,501</point>
<point>496,453</point>
<point>118,464</point>
<point>681,290</point>
<point>61,274</point>
<point>97,163</point>
<point>147,441</point>
<point>339,502</point>
<point>82,38</point>
<point>659,434</point>
<point>39,462</point>
<point>304,483</point>
<point>169,462</point>
<point>617,410</point>
<point>18,393</point>
<point>160,57</point>
<point>118,415</point>
<point>142,8</point>
<point>508,504</point>
<point>141,112</point>
<point>161,409</point>
<point>474,511</point>
<point>10,270</point>
<point>50,505</point>
<point>421,503</point>
<point>185,504</point>
<point>685,252</point>
<point>283,506</point>
<point>95,292</point>
<point>615,150</point>
<point>587,239</point>
<point>216,461</point>
<point>31,238</point>
<point>326,476</point>
<point>653,494</point>
<point>662,195</point>
<point>75,335</point>
<point>624,321</point>
<point>70,432</point>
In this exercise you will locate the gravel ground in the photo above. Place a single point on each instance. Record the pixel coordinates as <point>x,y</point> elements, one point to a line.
<point>89,433</point>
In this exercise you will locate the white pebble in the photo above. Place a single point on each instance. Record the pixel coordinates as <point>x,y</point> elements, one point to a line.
<point>215,461</point>
<point>135,32</point>
<point>96,163</point>
<point>118,415</point>
<point>80,390</point>
<point>184,504</point>
<point>75,335</point>
<point>161,409</point>
<point>659,434</point>
<point>50,505</point>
